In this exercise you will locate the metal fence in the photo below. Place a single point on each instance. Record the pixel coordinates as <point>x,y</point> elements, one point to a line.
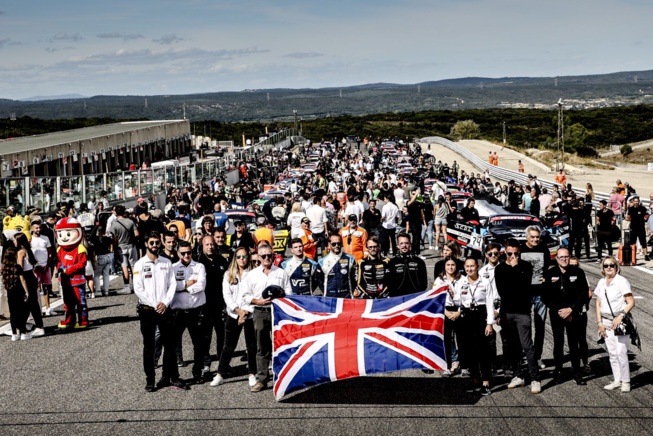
<point>504,174</point>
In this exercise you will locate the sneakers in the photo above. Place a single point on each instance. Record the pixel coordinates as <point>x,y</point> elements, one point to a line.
<point>92,294</point>
<point>430,247</point>
<point>536,387</point>
<point>612,386</point>
<point>486,390</point>
<point>647,257</point>
<point>25,336</point>
<point>252,380</point>
<point>218,380</point>
<point>446,374</point>
<point>516,382</point>
<point>464,372</point>
<point>541,364</point>
<point>180,362</point>
<point>258,387</point>
<point>15,338</point>
<point>625,387</point>
<point>38,332</point>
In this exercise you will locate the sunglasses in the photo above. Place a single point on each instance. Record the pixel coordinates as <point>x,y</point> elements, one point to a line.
<point>266,256</point>
<point>336,244</point>
<point>153,243</point>
<point>372,246</point>
<point>609,265</point>
<point>492,254</point>
<point>256,262</point>
<point>185,253</point>
<point>242,256</point>
<point>511,254</point>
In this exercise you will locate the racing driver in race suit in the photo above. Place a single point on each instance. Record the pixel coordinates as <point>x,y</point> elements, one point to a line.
<point>338,270</point>
<point>373,273</point>
<point>303,272</point>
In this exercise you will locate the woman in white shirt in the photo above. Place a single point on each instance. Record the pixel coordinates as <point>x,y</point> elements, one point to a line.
<point>239,318</point>
<point>294,220</point>
<point>614,299</point>
<point>449,276</point>
<point>474,296</point>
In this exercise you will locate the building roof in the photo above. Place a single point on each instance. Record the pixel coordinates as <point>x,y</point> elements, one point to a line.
<point>36,142</point>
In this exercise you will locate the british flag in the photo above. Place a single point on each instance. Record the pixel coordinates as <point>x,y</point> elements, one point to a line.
<point>320,339</point>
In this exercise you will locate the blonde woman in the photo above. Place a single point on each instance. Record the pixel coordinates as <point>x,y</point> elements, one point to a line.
<point>294,220</point>
<point>589,193</point>
<point>614,299</point>
<point>239,318</point>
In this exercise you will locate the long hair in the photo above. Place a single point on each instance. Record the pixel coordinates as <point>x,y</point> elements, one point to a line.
<point>11,271</point>
<point>443,274</point>
<point>455,248</point>
<point>232,272</point>
<point>22,242</point>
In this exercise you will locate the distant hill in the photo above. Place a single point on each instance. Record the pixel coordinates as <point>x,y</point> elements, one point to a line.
<point>54,97</point>
<point>578,92</point>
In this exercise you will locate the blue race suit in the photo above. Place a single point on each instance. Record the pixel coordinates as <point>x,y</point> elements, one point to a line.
<point>339,272</point>
<point>303,274</point>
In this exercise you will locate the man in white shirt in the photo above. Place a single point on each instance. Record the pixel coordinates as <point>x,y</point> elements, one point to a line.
<point>252,293</point>
<point>155,287</point>
<point>319,220</point>
<point>389,213</point>
<point>399,196</point>
<point>188,302</point>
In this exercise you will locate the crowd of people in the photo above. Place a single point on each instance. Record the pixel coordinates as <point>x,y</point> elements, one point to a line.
<point>357,230</point>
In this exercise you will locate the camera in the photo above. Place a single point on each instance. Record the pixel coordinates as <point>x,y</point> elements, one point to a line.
<point>497,303</point>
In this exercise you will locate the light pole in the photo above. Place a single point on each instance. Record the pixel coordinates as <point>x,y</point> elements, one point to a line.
<point>504,132</point>
<point>295,115</point>
<point>560,164</point>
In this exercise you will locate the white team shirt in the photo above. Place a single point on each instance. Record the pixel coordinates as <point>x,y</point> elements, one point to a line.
<point>193,296</point>
<point>154,281</point>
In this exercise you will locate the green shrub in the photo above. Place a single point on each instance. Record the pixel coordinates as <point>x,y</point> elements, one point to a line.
<point>626,149</point>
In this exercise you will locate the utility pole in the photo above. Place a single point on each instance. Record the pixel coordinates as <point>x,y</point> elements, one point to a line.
<point>295,116</point>
<point>560,164</point>
<point>504,132</point>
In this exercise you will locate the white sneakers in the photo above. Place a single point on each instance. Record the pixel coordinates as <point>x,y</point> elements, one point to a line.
<point>217,380</point>
<point>252,380</point>
<point>15,338</point>
<point>536,387</point>
<point>625,386</point>
<point>37,332</point>
<point>516,382</point>
<point>612,386</point>
<point>25,336</point>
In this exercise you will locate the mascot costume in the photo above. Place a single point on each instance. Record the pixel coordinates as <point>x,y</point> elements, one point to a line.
<point>71,264</point>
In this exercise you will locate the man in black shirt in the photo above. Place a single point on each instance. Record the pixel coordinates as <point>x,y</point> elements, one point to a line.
<point>215,266</point>
<point>637,215</point>
<point>416,220</point>
<point>408,271</point>
<point>221,247</point>
<point>513,279</point>
<point>241,238</point>
<point>372,219</point>
<point>566,295</point>
<point>604,221</point>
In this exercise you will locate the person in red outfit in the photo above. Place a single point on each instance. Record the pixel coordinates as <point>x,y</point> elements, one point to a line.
<point>71,264</point>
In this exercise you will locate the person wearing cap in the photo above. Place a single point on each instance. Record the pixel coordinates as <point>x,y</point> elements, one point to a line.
<point>241,237</point>
<point>253,286</point>
<point>306,236</point>
<point>354,238</point>
<point>638,215</point>
<point>263,232</point>
<point>303,272</point>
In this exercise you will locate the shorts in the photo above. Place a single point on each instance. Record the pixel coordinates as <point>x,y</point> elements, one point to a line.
<point>89,269</point>
<point>43,277</point>
<point>440,221</point>
<point>126,257</point>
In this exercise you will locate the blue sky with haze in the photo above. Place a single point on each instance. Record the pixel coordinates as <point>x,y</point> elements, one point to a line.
<point>176,47</point>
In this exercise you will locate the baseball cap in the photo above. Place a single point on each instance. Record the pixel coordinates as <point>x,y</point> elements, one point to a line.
<point>305,220</point>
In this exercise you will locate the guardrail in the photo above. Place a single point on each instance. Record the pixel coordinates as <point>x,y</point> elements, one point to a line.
<point>506,174</point>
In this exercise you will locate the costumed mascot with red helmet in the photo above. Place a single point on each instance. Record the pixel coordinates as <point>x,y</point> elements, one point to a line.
<point>71,264</point>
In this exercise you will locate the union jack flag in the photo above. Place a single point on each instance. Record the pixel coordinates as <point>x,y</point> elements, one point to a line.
<point>320,339</point>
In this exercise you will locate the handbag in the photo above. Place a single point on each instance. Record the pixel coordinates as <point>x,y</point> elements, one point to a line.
<point>626,327</point>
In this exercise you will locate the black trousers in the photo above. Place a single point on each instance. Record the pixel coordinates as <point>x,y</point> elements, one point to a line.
<point>150,320</point>
<point>191,319</point>
<point>558,328</point>
<point>231,335</point>
<point>263,329</point>
<point>450,337</point>
<point>474,347</point>
<point>582,338</point>
<point>577,239</point>
<point>604,238</point>
<point>416,236</point>
<point>33,307</point>
<point>17,309</point>
<point>213,322</point>
<point>518,332</point>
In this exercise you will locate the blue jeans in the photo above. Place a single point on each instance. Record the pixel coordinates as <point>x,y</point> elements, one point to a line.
<point>103,267</point>
<point>428,229</point>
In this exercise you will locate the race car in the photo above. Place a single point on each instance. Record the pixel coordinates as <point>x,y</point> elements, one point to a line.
<point>497,225</point>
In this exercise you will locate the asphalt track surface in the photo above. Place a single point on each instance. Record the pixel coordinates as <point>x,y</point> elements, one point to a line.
<point>92,382</point>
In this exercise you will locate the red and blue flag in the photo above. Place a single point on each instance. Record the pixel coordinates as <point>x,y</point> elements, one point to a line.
<point>320,339</point>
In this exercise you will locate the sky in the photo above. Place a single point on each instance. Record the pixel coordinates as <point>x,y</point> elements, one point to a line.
<point>164,47</point>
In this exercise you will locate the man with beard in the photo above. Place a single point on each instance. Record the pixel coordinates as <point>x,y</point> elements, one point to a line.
<point>407,269</point>
<point>155,286</point>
